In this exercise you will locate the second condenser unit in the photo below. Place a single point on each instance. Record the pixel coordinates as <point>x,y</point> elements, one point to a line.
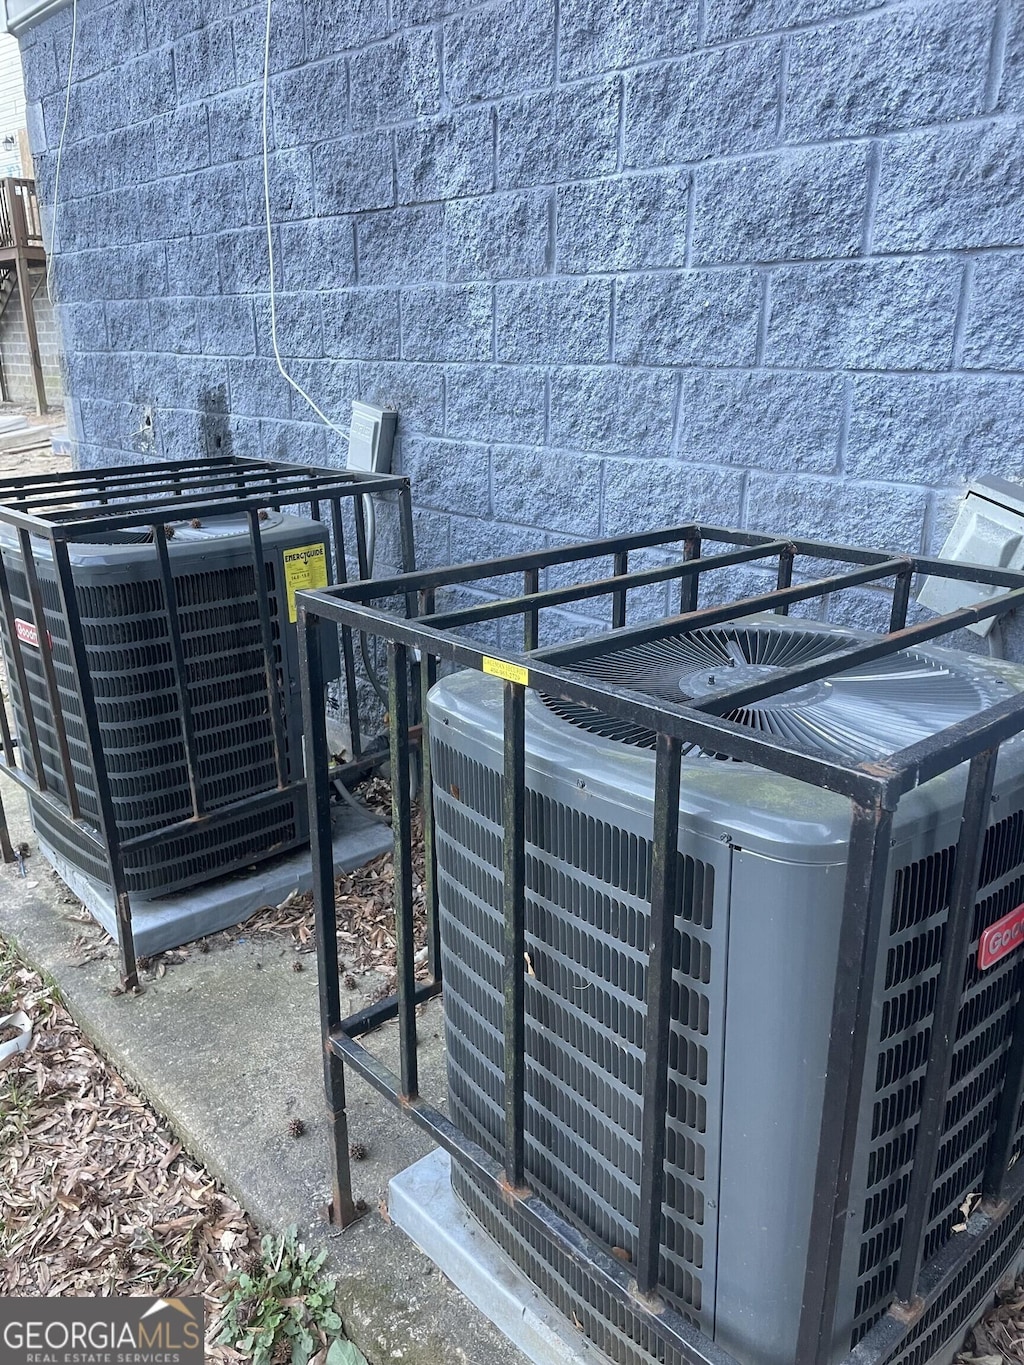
<point>761,877</point>
<point>126,623</point>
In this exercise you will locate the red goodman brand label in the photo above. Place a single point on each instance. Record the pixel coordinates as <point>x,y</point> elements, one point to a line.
<point>27,633</point>
<point>1001,938</point>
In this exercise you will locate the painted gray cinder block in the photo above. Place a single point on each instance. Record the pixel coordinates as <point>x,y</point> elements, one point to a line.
<point>330,29</point>
<point>1011,86</point>
<point>415,391</point>
<point>567,133</point>
<point>499,49</point>
<point>777,422</point>
<point>879,515</point>
<point>445,158</point>
<point>741,18</point>
<point>395,81</point>
<point>952,188</point>
<point>452,476</point>
<point>938,431</point>
<point>447,322</point>
<point>496,402</point>
<point>790,204</point>
<point>904,69</point>
<point>401,246</point>
<point>744,261</point>
<point>310,104</point>
<point>234,123</point>
<point>635,223</point>
<point>696,317</point>
<point>228,326</point>
<point>875,315</point>
<point>619,411</point>
<point>182,141</point>
<point>503,236</point>
<point>354,173</point>
<point>666,493</point>
<point>708,104</point>
<point>994,335</point>
<point>204,61</point>
<point>599,37</point>
<point>175,323</point>
<point>319,252</point>
<point>561,320</point>
<point>361,324</point>
<point>299,326</point>
<point>554,490</point>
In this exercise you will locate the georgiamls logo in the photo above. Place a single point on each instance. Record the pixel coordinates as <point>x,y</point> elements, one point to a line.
<point>1001,938</point>
<point>128,1331</point>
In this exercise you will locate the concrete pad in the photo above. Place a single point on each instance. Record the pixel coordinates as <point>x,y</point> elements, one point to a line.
<point>227,1047</point>
<point>173,920</point>
<point>423,1204</point>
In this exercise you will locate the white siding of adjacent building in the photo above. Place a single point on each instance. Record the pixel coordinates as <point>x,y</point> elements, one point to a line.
<point>12,105</point>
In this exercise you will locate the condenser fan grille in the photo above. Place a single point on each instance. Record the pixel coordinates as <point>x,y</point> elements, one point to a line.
<point>868,711</point>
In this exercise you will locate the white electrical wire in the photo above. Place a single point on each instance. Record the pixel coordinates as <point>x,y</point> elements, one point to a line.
<point>339,431</point>
<point>60,153</point>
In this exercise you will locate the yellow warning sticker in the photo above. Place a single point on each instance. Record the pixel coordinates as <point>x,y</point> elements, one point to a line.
<point>510,672</point>
<point>305,566</point>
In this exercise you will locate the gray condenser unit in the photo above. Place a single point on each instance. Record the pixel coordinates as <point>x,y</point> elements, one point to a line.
<point>125,622</point>
<point>762,863</point>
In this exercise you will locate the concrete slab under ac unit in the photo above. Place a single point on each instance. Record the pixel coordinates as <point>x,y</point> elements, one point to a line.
<point>422,1203</point>
<point>173,920</point>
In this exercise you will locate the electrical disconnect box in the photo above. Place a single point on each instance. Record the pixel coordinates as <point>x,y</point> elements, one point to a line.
<point>371,438</point>
<point>989,529</point>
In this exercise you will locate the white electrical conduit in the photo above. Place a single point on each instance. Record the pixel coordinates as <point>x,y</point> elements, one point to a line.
<point>60,153</point>
<point>339,431</point>
<point>371,523</point>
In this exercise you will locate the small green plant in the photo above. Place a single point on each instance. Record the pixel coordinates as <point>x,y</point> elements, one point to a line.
<point>281,1307</point>
<point>8,964</point>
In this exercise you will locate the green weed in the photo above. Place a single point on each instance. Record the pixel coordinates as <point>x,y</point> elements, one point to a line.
<point>281,1307</point>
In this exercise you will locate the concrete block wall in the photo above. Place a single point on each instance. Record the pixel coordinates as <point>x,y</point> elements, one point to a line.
<point>758,262</point>
<point>14,354</point>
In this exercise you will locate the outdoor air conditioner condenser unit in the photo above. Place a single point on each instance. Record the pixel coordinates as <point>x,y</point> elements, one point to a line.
<point>762,866</point>
<point>125,621</point>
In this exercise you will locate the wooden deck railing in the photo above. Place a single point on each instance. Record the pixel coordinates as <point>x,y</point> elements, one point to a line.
<point>20,224</point>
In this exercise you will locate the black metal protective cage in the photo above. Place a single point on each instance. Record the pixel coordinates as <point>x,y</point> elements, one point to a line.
<point>424,637</point>
<point>47,514</point>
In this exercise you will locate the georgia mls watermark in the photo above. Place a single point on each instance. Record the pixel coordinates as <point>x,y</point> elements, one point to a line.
<point>101,1331</point>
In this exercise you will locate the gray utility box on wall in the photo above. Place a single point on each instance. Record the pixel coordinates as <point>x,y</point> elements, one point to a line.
<point>762,862</point>
<point>128,646</point>
<point>989,529</point>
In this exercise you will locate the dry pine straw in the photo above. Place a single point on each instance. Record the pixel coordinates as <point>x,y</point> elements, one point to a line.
<point>97,1196</point>
<point>999,1337</point>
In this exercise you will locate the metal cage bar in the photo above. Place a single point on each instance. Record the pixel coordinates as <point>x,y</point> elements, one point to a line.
<point>873,789</point>
<point>959,924</point>
<point>401,818</point>
<point>180,668</point>
<point>514,900</point>
<point>657,1039</point>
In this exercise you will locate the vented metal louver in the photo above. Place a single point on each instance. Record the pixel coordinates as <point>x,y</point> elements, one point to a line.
<point>865,712</point>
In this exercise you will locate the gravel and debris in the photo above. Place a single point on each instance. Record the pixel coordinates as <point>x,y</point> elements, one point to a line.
<point>98,1197</point>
